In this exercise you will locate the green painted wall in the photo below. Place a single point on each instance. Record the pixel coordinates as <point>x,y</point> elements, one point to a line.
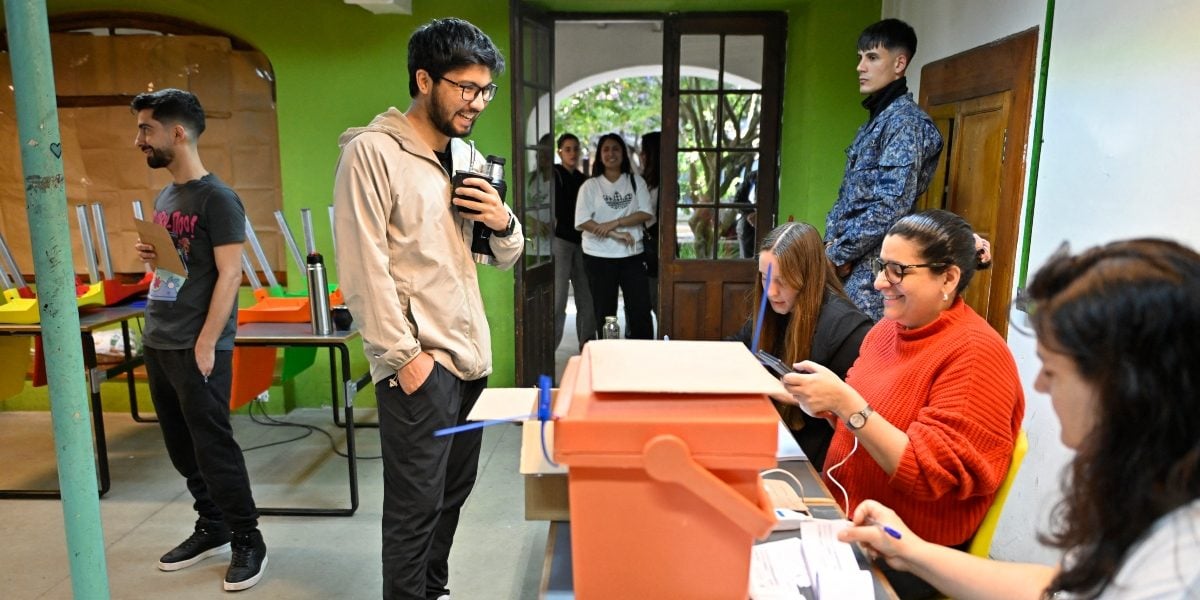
<point>337,66</point>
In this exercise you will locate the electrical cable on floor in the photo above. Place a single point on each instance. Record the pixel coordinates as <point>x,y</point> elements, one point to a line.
<point>269,421</point>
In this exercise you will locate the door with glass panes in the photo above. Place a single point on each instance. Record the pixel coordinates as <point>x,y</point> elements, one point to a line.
<point>721,121</point>
<point>532,182</point>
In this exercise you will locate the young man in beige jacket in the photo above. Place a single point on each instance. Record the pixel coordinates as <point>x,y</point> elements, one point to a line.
<point>406,267</point>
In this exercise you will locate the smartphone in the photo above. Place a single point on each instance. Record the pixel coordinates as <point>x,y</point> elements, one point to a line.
<point>773,364</point>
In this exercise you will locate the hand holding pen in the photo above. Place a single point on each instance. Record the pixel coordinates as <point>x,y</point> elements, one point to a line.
<point>882,534</point>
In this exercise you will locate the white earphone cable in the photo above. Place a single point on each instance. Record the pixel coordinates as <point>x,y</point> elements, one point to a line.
<point>829,473</point>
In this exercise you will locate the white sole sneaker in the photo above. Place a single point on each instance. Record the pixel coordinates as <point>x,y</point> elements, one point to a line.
<point>183,564</point>
<point>249,583</point>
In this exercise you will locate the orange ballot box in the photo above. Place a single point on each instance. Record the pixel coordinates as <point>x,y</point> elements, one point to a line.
<point>663,443</point>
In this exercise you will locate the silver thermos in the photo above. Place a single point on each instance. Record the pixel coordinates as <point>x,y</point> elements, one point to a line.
<point>318,296</point>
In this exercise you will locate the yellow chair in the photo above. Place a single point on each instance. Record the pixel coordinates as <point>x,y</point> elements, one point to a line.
<point>981,544</point>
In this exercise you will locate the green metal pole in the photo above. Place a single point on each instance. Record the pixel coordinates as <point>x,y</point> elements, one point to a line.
<point>46,203</point>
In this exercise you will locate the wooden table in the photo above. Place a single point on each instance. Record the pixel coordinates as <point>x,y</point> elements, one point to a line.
<point>284,335</point>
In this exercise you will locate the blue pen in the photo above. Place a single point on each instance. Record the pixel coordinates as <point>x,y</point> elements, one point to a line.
<point>762,309</point>
<point>888,529</point>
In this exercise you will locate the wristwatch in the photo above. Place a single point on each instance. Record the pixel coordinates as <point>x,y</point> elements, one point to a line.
<point>858,419</point>
<point>507,231</point>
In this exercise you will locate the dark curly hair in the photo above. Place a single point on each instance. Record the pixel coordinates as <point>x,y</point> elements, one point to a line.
<point>443,45</point>
<point>1127,314</point>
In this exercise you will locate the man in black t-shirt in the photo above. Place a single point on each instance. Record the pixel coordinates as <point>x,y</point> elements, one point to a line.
<point>188,340</point>
<point>568,254</point>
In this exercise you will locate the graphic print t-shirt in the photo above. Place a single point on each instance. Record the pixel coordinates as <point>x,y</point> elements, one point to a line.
<point>200,215</point>
<point>602,200</point>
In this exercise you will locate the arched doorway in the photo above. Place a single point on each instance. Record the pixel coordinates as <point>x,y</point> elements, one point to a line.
<point>103,60</point>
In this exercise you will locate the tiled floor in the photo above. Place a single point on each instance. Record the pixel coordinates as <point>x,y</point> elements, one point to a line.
<point>497,555</point>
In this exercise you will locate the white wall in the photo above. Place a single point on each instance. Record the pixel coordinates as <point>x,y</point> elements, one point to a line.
<point>1121,136</point>
<point>947,27</point>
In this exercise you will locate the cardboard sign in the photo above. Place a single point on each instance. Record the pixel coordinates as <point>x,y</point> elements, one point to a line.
<point>156,235</point>
<point>678,367</point>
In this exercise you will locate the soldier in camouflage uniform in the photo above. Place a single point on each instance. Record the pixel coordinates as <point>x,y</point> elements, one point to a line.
<point>888,165</point>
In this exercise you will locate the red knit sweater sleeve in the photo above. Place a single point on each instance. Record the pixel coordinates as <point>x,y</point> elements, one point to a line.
<point>960,443</point>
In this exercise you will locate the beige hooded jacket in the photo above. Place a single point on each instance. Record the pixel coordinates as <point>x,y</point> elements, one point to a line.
<point>403,253</point>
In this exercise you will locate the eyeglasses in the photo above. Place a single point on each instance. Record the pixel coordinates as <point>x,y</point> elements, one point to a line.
<point>470,91</point>
<point>894,272</point>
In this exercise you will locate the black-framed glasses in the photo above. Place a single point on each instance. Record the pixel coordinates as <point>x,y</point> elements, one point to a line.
<point>894,272</point>
<point>470,91</point>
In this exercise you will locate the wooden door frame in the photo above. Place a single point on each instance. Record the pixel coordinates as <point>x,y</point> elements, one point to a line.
<point>518,11</point>
<point>767,204</point>
<point>1005,64</point>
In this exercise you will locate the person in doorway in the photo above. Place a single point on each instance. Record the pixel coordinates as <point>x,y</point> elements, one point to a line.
<point>810,319</point>
<point>1115,330</point>
<point>747,195</point>
<point>539,209</point>
<point>888,165</point>
<point>191,320</point>
<point>568,254</point>
<point>649,155</point>
<point>614,205</point>
<point>405,265</point>
<point>931,409</point>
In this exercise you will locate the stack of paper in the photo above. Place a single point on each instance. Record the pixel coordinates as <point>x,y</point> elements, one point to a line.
<point>817,560</point>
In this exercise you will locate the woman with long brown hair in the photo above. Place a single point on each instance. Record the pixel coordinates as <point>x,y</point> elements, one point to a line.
<point>810,319</point>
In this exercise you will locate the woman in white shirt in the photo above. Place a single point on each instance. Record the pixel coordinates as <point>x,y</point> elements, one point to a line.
<point>613,205</point>
<point>1117,336</point>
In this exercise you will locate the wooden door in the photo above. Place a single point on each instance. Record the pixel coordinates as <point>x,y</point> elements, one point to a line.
<point>968,181</point>
<point>532,183</point>
<point>720,167</point>
<point>935,195</point>
<point>981,101</point>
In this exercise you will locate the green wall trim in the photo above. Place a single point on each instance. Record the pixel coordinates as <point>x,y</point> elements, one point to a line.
<point>1035,154</point>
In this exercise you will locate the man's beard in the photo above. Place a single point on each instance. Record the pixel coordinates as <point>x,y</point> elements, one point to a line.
<point>159,157</point>
<point>443,119</point>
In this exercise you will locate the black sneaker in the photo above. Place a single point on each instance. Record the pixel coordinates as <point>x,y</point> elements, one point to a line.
<point>249,561</point>
<point>210,538</point>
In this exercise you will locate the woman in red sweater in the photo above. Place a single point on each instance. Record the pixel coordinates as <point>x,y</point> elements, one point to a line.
<point>1116,334</point>
<point>928,415</point>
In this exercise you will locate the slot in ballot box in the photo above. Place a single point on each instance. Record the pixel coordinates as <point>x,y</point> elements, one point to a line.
<point>664,442</point>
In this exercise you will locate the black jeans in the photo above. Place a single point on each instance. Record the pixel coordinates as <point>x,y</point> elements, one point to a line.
<point>605,276</point>
<point>194,417</point>
<point>426,479</point>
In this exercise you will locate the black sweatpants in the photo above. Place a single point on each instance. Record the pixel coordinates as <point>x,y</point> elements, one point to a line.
<point>605,277</point>
<point>426,479</point>
<point>194,417</point>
